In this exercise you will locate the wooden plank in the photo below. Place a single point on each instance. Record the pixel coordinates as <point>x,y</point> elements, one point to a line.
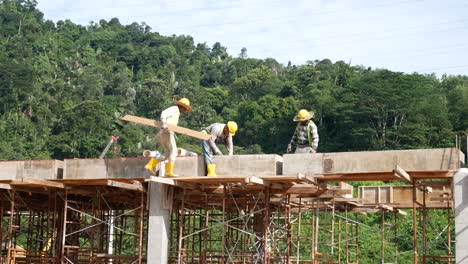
<point>157,124</point>
<point>128,186</point>
<point>303,189</point>
<point>36,183</point>
<point>173,182</point>
<point>263,182</point>
<point>5,186</point>
<point>402,174</point>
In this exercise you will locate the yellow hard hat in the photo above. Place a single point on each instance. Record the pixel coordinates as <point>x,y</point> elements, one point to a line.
<point>232,126</point>
<point>185,103</point>
<point>303,115</point>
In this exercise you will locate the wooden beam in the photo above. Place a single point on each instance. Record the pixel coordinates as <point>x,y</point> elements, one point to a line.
<point>157,124</point>
<point>260,181</point>
<point>36,183</point>
<point>402,174</point>
<point>128,186</point>
<point>303,189</point>
<point>256,180</point>
<point>5,186</point>
<point>173,182</point>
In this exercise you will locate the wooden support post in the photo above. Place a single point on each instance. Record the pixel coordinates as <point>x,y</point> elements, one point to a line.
<point>395,236</point>
<point>223,235</point>
<point>312,244</point>
<point>424,223</point>
<point>64,227</point>
<point>316,231</point>
<point>339,241</point>
<point>346,235</point>
<point>449,225</point>
<point>382,237</point>
<point>288,227</point>
<point>332,240</point>
<point>298,242</point>
<point>10,226</point>
<point>266,224</point>
<point>415,234</point>
<point>181,230</point>
<point>356,240</point>
<point>140,243</point>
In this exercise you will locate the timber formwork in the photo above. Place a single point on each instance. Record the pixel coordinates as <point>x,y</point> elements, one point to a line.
<point>296,218</point>
<point>72,223</point>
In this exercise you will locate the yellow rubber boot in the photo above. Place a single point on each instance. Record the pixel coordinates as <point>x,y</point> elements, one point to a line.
<point>151,165</point>
<point>211,168</point>
<point>170,170</point>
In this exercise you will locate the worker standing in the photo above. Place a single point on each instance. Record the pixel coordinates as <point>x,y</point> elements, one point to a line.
<point>219,133</point>
<point>167,139</point>
<point>306,135</point>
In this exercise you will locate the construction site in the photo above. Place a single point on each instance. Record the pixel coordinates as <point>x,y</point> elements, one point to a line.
<point>295,208</point>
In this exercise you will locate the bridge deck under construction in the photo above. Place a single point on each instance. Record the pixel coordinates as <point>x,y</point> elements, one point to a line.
<point>260,209</point>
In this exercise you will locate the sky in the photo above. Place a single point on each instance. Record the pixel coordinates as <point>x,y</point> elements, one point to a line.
<point>426,36</point>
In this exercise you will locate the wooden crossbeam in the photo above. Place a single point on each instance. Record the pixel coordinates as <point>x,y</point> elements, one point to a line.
<point>157,124</point>
<point>5,186</point>
<point>129,186</point>
<point>402,174</point>
<point>173,182</point>
<point>35,183</point>
<point>303,189</point>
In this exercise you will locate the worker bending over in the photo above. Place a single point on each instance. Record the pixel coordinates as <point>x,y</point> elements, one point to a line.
<point>219,133</point>
<point>167,139</point>
<point>306,135</point>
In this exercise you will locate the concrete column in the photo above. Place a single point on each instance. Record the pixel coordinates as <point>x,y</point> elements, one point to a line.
<point>460,186</point>
<point>160,203</point>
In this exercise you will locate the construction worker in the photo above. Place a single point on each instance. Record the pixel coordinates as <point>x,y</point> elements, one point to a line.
<point>167,139</point>
<point>219,133</point>
<point>306,135</point>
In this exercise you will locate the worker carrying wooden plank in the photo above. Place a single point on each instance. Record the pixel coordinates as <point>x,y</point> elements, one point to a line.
<point>305,135</point>
<point>218,133</point>
<point>166,138</point>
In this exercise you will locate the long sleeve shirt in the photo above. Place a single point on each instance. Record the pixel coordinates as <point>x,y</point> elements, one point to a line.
<point>301,137</point>
<point>171,115</point>
<point>216,131</point>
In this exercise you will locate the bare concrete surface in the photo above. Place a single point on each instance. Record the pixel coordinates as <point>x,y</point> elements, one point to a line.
<point>373,161</point>
<point>105,168</point>
<point>190,166</point>
<point>249,165</point>
<point>35,169</point>
<point>460,186</point>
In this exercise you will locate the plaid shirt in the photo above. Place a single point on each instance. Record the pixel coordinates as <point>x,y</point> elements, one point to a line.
<point>300,136</point>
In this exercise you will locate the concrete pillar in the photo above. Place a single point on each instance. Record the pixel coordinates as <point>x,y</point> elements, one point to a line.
<point>460,186</point>
<point>160,203</point>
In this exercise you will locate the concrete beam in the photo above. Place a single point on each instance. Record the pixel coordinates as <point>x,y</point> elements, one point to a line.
<point>117,168</point>
<point>32,169</point>
<point>249,165</point>
<point>419,160</point>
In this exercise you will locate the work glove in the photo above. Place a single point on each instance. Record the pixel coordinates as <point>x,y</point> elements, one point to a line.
<point>164,125</point>
<point>289,149</point>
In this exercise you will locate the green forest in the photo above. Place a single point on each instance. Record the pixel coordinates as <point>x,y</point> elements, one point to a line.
<point>64,88</point>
